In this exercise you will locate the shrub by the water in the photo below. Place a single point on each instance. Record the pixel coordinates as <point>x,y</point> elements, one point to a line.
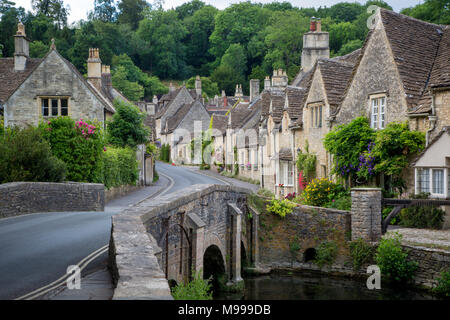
<point>443,287</point>
<point>393,260</point>
<point>196,289</point>
<point>326,253</point>
<point>361,253</point>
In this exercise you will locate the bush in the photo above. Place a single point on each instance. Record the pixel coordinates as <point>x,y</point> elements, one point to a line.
<point>422,217</point>
<point>341,203</point>
<point>326,253</point>
<point>361,253</point>
<point>26,156</point>
<point>280,207</point>
<point>127,126</point>
<point>321,191</point>
<point>443,287</point>
<point>120,167</point>
<point>79,144</point>
<point>197,289</point>
<point>393,260</point>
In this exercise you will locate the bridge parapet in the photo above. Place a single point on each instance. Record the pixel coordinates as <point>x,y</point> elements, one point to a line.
<point>165,238</point>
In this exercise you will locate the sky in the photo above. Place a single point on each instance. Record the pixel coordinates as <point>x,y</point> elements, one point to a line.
<point>80,8</point>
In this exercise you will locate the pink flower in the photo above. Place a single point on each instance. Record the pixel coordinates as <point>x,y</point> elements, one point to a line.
<point>104,149</point>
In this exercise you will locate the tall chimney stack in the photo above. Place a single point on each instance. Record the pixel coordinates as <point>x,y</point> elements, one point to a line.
<point>21,48</point>
<point>94,66</point>
<point>198,86</point>
<point>316,44</point>
<point>254,89</point>
<point>267,83</point>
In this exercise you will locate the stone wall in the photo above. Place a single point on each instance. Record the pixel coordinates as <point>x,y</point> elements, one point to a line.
<point>431,263</point>
<point>307,227</point>
<point>118,192</point>
<point>20,198</point>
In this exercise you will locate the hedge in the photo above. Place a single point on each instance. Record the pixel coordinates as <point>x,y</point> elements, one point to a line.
<point>120,167</point>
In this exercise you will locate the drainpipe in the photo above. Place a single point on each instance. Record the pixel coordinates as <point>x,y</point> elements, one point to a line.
<point>432,119</point>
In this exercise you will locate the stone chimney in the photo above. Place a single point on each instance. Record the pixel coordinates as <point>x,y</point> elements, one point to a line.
<point>171,87</point>
<point>94,66</point>
<point>198,86</point>
<point>316,44</point>
<point>106,78</point>
<point>279,78</point>
<point>21,48</point>
<point>155,100</point>
<point>254,89</point>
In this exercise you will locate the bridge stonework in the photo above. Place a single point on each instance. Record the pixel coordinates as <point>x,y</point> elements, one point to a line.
<point>164,239</point>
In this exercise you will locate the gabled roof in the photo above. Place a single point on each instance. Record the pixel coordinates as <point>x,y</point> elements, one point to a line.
<point>445,130</point>
<point>296,98</point>
<point>336,74</point>
<point>174,121</point>
<point>10,80</point>
<point>220,122</point>
<point>414,44</point>
<point>440,75</point>
<point>238,115</point>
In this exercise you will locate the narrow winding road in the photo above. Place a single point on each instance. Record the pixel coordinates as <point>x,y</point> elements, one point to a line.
<point>36,249</point>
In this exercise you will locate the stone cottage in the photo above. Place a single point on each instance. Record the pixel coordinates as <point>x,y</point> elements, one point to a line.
<point>32,89</point>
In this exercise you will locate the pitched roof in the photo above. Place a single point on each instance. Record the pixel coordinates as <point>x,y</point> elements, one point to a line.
<point>10,79</point>
<point>440,75</point>
<point>445,130</point>
<point>174,121</point>
<point>238,114</point>
<point>296,97</point>
<point>220,122</point>
<point>414,44</point>
<point>278,100</point>
<point>336,74</point>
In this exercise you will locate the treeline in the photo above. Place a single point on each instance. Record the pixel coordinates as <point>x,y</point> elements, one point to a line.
<point>229,46</point>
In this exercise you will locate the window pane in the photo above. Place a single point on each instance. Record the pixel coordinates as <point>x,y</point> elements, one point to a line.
<point>64,107</point>
<point>290,173</point>
<point>45,107</point>
<point>438,181</point>
<point>320,117</point>
<point>423,180</point>
<point>54,107</point>
<point>282,172</point>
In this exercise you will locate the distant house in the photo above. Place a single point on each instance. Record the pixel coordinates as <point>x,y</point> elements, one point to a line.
<point>32,89</point>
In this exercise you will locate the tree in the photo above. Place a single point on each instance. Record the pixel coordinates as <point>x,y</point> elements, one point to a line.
<point>235,58</point>
<point>226,79</point>
<point>188,9</point>
<point>104,10</point>
<point>435,11</point>
<point>54,9</point>
<point>163,34</point>
<point>132,12</point>
<point>38,49</point>
<point>131,90</point>
<point>350,46</point>
<point>127,126</point>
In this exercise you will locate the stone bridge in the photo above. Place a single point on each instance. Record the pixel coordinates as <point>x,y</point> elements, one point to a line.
<point>203,228</point>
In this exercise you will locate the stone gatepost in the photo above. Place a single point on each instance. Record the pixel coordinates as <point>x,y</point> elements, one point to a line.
<point>236,213</point>
<point>366,214</point>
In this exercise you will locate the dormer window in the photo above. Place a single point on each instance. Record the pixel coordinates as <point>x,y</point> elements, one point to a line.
<point>378,109</point>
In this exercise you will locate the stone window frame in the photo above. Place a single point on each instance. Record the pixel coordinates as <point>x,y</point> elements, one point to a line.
<point>50,98</point>
<point>445,183</point>
<point>378,124</point>
<point>316,114</point>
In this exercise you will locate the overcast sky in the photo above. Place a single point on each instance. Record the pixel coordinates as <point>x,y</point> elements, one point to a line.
<point>79,8</point>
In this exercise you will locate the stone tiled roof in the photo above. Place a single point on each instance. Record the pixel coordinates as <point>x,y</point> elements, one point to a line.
<point>10,80</point>
<point>336,74</point>
<point>220,122</point>
<point>296,97</point>
<point>414,45</point>
<point>174,121</point>
<point>238,115</point>
<point>278,100</point>
<point>440,76</point>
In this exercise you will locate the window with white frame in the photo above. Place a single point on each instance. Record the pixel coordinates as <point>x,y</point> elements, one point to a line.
<point>54,107</point>
<point>431,180</point>
<point>255,157</point>
<point>378,109</point>
<point>286,173</point>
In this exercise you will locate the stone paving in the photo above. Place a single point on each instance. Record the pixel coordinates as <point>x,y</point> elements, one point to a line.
<point>439,239</point>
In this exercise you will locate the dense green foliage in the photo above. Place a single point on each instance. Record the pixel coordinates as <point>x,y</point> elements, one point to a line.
<point>79,144</point>
<point>209,88</point>
<point>127,126</point>
<point>320,192</point>
<point>26,156</point>
<point>326,253</point>
<point>230,45</point>
<point>393,260</point>
<point>280,207</point>
<point>196,289</point>
<point>164,154</point>
<point>119,167</point>
<point>360,152</point>
<point>361,253</point>
<point>424,217</point>
<point>443,287</point>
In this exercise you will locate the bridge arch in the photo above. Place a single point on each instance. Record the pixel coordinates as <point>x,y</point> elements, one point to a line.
<point>214,266</point>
